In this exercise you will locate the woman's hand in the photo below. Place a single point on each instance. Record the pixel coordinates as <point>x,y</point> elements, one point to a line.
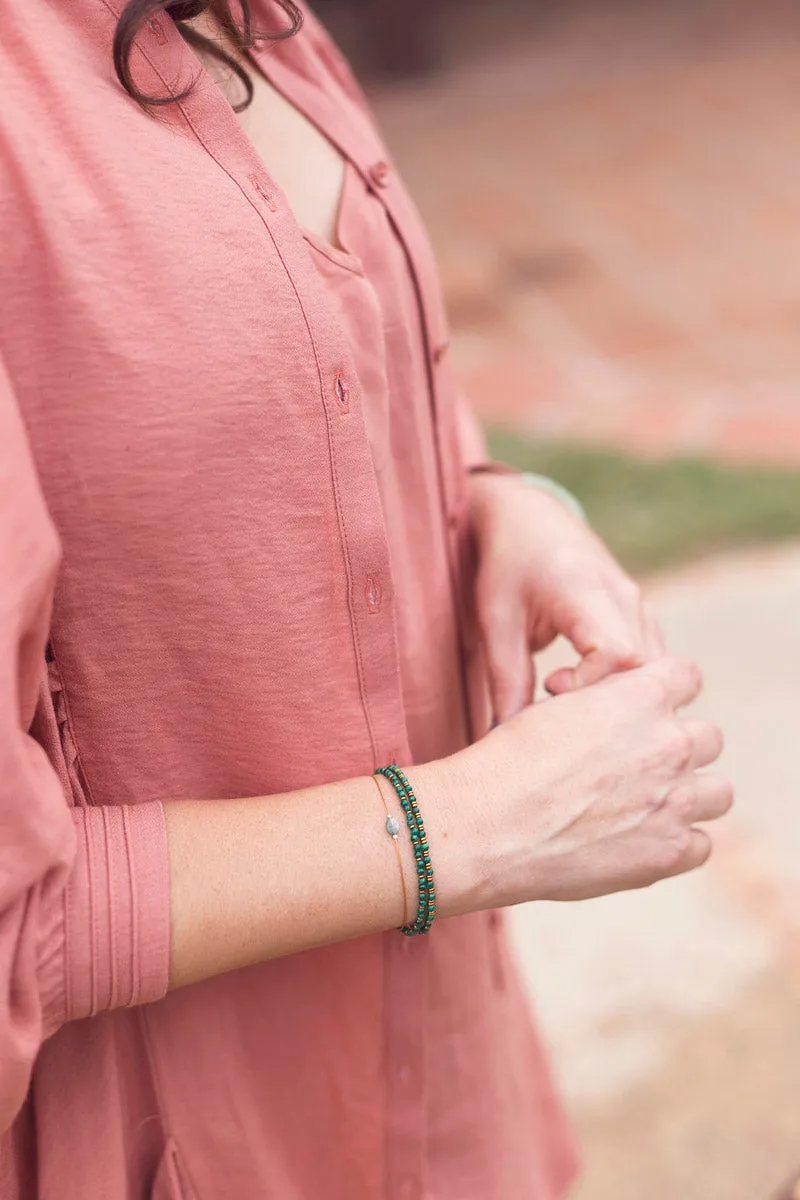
<point>589,793</point>
<point>543,572</point>
<point>592,792</point>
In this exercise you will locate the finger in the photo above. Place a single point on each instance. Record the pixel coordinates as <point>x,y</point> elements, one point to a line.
<point>591,669</point>
<point>707,743</point>
<point>612,651</point>
<point>508,659</point>
<point>609,641</point>
<point>680,677</point>
<point>560,681</point>
<point>697,853</point>
<point>652,636</point>
<point>703,798</point>
<point>594,667</point>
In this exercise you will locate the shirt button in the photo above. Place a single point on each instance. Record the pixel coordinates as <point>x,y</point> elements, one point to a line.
<point>409,1186</point>
<point>439,352</point>
<point>404,1074</point>
<point>379,174</point>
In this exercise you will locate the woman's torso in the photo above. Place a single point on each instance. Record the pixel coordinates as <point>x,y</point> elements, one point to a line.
<point>363,266</point>
<point>252,599</point>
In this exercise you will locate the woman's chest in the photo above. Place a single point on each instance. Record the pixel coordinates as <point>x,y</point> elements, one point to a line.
<point>159,316</point>
<point>177,358</point>
<point>304,163</point>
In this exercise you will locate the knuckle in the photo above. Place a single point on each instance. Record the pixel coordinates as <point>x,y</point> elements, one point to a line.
<point>654,798</point>
<point>622,654</point>
<point>682,805</point>
<point>680,748</point>
<point>702,847</point>
<point>674,852</point>
<point>631,656</point>
<point>682,842</point>
<point>651,690</point>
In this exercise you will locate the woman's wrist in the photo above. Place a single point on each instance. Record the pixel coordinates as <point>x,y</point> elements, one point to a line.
<point>496,477</point>
<point>450,798</point>
<point>485,836</point>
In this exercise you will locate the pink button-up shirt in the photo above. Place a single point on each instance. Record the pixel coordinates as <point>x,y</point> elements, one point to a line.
<point>232,469</point>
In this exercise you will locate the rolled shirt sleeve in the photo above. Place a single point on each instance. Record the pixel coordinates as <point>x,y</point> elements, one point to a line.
<point>84,891</point>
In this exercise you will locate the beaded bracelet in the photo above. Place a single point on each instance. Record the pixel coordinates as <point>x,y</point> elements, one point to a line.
<point>426,909</point>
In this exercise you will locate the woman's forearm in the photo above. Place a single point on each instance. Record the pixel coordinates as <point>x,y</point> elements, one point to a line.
<point>593,792</point>
<point>259,878</point>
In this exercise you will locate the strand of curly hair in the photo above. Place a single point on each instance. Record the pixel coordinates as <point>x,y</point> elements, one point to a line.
<point>238,32</point>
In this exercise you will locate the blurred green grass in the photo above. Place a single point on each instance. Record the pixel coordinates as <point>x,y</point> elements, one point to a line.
<point>655,513</point>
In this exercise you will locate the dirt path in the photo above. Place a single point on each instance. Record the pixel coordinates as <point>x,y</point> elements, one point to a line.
<point>675,1013</point>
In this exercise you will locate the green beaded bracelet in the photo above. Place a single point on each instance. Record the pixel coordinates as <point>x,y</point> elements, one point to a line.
<point>426,908</point>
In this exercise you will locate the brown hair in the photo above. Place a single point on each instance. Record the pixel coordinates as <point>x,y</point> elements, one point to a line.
<point>239,33</point>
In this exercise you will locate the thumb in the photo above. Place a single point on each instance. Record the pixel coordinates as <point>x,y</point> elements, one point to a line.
<point>606,644</point>
<point>591,669</point>
<point>596,665</point>
<point>508,659</point>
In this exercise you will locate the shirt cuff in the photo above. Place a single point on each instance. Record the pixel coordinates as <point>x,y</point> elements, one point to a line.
<point>116,914</point>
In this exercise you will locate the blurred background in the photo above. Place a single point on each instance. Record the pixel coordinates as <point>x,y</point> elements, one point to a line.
<point>613,189</point>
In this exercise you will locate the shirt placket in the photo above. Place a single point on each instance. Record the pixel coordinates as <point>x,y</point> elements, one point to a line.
<point>365,548</point>
<point>406,960</point>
